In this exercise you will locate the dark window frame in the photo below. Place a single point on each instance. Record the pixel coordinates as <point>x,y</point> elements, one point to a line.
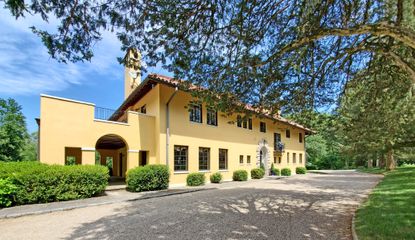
<point>178,165</point>
<point>210,113</point>
<point>193,116</point>
<point>287,133</point>
<point>250,123</point>
<point>241,159</point>
<point>300,137</point>
<point>294,157</point>
<point>263,127</point>
<point>239,121</point>
<point>301,158</point>
<point>225,159</point>
<point>143,109</point>
<point>248,159</point>
<point>204,160</point>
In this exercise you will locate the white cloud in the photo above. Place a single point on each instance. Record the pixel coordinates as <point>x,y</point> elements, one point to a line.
<point>27,69</point>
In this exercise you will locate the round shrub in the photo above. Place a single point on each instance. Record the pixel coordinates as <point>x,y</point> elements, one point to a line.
<point>275,171</point>
<point>148,178</point>
<point>41,183</point>
<point>240,175</point>
<point>195,179</point>
<point>257,173</point>
<point>216,177</point>
<point>285,172</point>
<point>300,170</point>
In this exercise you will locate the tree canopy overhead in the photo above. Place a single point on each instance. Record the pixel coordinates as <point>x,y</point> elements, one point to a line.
<point>265,53</point>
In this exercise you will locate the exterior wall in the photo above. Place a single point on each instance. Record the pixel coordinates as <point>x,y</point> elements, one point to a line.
<point>67,123</point>
<point>238,141</point>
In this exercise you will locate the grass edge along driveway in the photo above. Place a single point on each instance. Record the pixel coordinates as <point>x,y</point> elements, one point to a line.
<point>389,212</point>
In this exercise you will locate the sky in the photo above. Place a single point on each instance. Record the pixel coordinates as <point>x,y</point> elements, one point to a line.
<point>26,69</point>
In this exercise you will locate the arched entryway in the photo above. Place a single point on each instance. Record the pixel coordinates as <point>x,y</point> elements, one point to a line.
<point>263,155</point>
<point>112,152</point>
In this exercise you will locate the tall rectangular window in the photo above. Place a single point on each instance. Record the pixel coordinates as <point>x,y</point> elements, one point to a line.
<point>212,117</point>
<point>287,133</point>
<point>248,159</point>
<point>241,159</point>
<point>301,158</point>
<point>250,123</point>
<point>300,137</point>
<point>223,159</point>
<point>204,158</point>
<point>180,158</point>
<point>245,123</point>
<point>288,157</point>
<point>279,160</point>
<point>294,158</point>
<point>239,121</point>
<point>275,159</point>
<point>262,127</point>
<point>277,141</point>
<point>195,113</point>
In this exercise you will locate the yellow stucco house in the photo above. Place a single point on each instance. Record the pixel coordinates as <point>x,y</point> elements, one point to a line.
<point>156,124</point>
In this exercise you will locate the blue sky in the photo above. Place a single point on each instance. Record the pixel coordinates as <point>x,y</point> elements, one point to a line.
<point>26,69</point>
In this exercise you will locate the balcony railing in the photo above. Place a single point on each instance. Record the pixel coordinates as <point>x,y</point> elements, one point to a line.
<point>279,147</point>
<point>110,115</point>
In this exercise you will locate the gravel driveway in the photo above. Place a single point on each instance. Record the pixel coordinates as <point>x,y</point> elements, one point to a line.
<point>312,206</point>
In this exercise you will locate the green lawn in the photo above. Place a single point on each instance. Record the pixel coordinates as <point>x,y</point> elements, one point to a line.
<point>372,170</point>
<point>389,213</point>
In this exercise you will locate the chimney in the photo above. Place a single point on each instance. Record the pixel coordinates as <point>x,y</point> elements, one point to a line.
<point>132,71</point>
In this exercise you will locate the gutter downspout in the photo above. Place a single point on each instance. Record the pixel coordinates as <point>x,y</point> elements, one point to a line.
<point>168,125</point>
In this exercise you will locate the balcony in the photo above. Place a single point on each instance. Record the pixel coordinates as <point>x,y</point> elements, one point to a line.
<point>107,114</point>
<point>279,147</point>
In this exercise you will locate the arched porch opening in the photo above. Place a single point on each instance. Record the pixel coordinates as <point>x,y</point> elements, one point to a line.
<point>112,152</point>
<point>263,155</point>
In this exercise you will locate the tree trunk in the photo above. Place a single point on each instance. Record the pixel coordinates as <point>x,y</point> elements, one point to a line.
<point>382,161</point>
<point>390,161</point>
<point>369,163</point>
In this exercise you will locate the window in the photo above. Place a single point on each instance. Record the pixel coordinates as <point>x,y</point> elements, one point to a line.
<point>223,159</point>
<point>245,123</point>
<point>287,133</point>
<point>195,113</point>
<point>250,123</point>
<point>277,141</point>
<point>279,160</point>
<point>288,157</point>
<point>300,137</point>
<point>239,121</point>
<point>73,156</point>
<point>301,158</point>
<point>212,117</point>
<point>294,158</point>
<point>204,158</point>
<point>143,109</point>
<point>241,159</point>
<point>248,159</point>
<point>262,127</point>
<point>180,158</point>
<point>275,159</point>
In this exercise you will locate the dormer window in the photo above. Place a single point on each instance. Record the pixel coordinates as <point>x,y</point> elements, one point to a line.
<point>195,113</point>
<point>143,109</point>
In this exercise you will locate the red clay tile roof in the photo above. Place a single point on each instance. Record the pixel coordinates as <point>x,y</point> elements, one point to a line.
<point>152,78</point>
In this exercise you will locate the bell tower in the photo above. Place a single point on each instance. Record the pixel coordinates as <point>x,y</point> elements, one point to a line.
<point>132,71</point>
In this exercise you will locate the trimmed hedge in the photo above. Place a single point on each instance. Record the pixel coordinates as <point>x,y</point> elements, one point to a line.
<point>285,172</point>
<point>7,191</point>
<point>148,178</point>
<point>195,179</point>
<point>300,170</point>
<point>257,173</point>
<point>216,177</point>
<point>41,183</point>
<point>240,175</point>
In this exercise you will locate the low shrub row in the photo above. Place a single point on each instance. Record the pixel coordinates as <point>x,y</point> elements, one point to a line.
<point>148,178</point>
<point>240,175</point>
<point>195,179</point>
<point>33,182</point>
<point>285,172</point>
